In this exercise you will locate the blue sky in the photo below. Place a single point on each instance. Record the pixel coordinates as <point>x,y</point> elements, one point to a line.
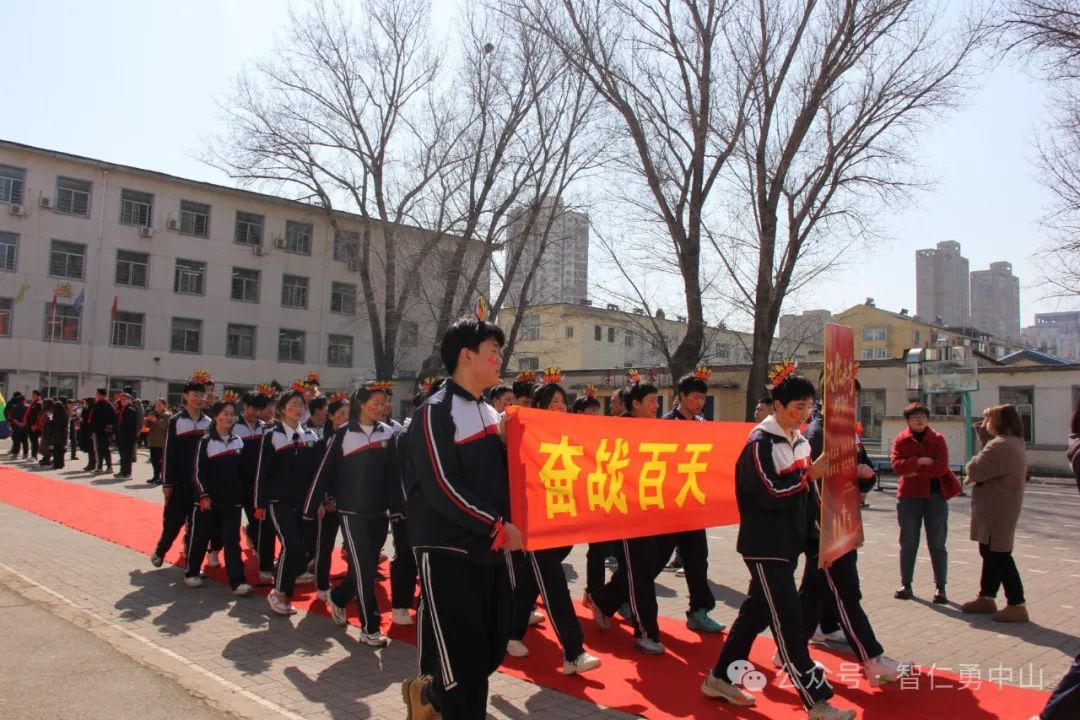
<point>136,82</point>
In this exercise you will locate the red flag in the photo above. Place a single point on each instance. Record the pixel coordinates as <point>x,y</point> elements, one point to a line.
<point>115,307</point>
<point>52,306</point>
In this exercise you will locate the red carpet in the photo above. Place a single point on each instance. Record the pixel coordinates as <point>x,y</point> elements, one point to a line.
<point>654,687</point>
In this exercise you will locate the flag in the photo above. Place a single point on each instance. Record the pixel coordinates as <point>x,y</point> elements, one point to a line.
<point>22,291</point>
<point>78,303</point>
<point>5,429</point>
<point>115,307</point>
<point>52,306</point>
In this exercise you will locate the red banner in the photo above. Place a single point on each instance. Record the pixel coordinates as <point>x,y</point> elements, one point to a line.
<point>582,478</point>
<point>841,506</point>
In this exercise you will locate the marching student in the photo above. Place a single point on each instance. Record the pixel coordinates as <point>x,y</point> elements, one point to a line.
<point>356,477</point>
<point>457,501</point>
<point>541,573</point>
<point>102,419</point>
<point>598,553</point>
<point>127,434</point>
<point>763,409</point>
<point>181,441</point>
<point>220,494</point>
<point>523,388</point>
<point>772,486</point>
<point>692,545</point>
<point>327,519</point>
<point>618,404</point>
<point>287,464</point>
<point>501,397</point>
<point>250,428</point>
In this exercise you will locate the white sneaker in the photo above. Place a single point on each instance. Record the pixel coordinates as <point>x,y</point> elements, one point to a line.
<point>401,616</point>
<point>602,621</point>
<point>581,663</point>
<point>213,559</point>
<point>243,590</point>
<point>339,615</point>
<point>779,663</point>
<point>516,648</point>
<point>266,577</point>
<point>536,618</point>
<point>836,636</point>
<point>375,639</point>
<point>321,595</point>
<point>193,582</point>
<point>305,579</point>
<point>883,669</point>
<point>824,711</point>
<point>280,604</point>
<point>715,687</point>
<point>649,646</point>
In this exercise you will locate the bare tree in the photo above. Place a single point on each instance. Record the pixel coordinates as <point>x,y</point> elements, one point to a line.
<point>1049,32</point>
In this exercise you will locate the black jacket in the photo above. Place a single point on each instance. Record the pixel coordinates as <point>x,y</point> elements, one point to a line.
<point>102,416</point>
<point>772,488</point>
<point>217,469</point>
<point>181,441</point>
<point>457,490</point>
<point>287,463</point>
<point>57,426</point>
<point>249,458</point>
<point>127,425</point>
<point>815,435</point>
<point>358,472</point>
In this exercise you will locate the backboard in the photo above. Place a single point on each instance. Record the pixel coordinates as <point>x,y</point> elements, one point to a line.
<point>950,376</point>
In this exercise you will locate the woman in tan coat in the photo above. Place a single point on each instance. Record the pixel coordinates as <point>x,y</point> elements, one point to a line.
<point>998,474</point>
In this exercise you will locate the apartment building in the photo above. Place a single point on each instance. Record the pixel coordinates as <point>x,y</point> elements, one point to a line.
<point>113,275</point>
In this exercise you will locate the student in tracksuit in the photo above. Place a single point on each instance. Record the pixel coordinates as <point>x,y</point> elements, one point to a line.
<point>773,479</point>
<point>220,496</point>
<point>692,545</point>
<point>541,573</point>
<point>177,473</point>
<point>403,571</point>
<point>598,553</point>
<point>327,519</point>
<point>357,474</point>
<point>287,464</point>
<point>249,428</point>
<point>457,502</point>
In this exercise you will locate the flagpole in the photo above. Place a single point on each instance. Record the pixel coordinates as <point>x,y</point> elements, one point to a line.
<point>48,350</point>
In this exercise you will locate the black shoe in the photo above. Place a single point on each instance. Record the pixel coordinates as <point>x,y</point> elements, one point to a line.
<point>903,593</point>
<point>940,598</point>
<point>88,468</point>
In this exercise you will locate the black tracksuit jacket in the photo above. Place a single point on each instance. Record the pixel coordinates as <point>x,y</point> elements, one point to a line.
<point>217,469</point>
<point>286,466</point>
<point>181,441</point>
<point>358,472</point>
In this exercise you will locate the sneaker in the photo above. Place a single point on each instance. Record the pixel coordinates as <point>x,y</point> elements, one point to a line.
<point>375,639</point>
<point>903,593</point>
<point>714,687</point>
<point>401,616</point>
<point>822,710</point>
<point>649,646</point>
<point>981,605</point>
<point>516,648</point>
<point>156,560</point>
<point>321,595</point>
<point>193,582</point>
<point>582,663</point>
<point>602,621</point>
<point>836,636</point>
<point>626,612</point>
<point>536,618</point>
<point>339,615</point>
<point>778,663</point>
<point>266,577</point>
<point>883,669</point>
<point>213,559</point>
<point>243,590</point>
<point>700,621</point>
<point>280,604</point>
<point>680,572</point>
<point>940,598</point>
<point>1012,614</point>
<point>416,705</point>
<point>305,579</point>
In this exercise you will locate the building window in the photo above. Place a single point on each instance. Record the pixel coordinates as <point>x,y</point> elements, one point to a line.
<point>127,330</point>
<point>875,353</point>
<point>186,335</point>
<point>61,323</point>
<point>72,196</point>
<point>871,334</point>
<point>611,334</point>
<point>528,363</point>
<point>174,393</point>
<point>530,327</point>
<point>11,184</point>
<point>291,346</point>
<point>343,298</point>
<point>67,259</point>
<point>346,245</point>
<point>136,208</point>
<point>339,351</point>
<point>194,219</point>
<point>410,334</point>
<point>871,411</point>
<point>598,333</point>
<point>117,385</point>
<point>240,341</point>
<point>1024,400</point>
<point>628,339</point>
<point>916,337</point>
<point>249,228</point>
<point>245,284</point>
<point>9,251</point>
<point>6,307</point>
<point>55,385</point>
<point>723,353</point>
<point>294,291</point>
<point>190,277</point>
<point>131,268</point>
<point>569,331</point>
<point>298,237</point>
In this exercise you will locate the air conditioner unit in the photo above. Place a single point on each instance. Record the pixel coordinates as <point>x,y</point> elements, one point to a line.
<point>16,210</point>
<point>257,250</point>
<point>354,265</point>
<point>174,224</point>
<point>279,242</point>
<point>45,201</point>
<point>146,232</point>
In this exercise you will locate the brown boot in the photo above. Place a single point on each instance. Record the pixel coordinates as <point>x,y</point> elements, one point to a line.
<point>416,706</point>
<point>981,605</point>
<point>1012,614</point>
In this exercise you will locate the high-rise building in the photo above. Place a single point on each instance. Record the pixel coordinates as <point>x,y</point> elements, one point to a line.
<point>995,300</point>
<point>561,237</point>
<point>942,293</point>
<point>807,327</point>
<point>1056,333</point>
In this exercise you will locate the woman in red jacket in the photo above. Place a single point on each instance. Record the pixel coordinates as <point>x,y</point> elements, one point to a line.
<point>920,457</point>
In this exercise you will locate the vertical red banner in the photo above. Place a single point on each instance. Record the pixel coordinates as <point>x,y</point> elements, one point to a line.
<point>841,506</point>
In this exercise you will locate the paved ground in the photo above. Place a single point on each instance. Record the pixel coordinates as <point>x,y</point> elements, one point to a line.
<point>227,652</point>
